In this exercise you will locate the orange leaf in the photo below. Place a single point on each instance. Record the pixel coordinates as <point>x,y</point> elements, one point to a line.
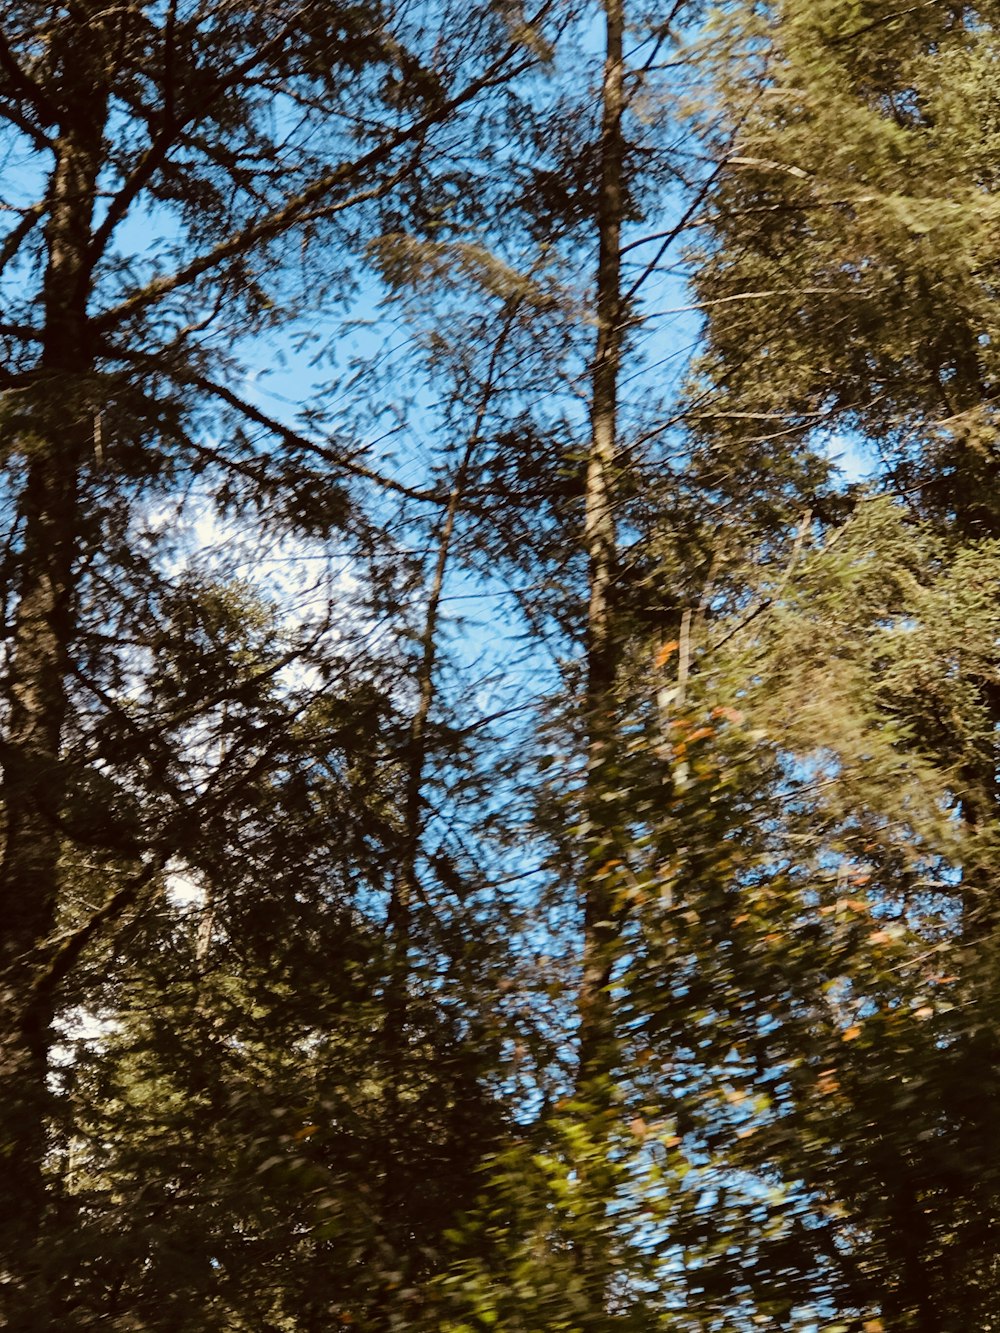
<point>730,714</point>
<point>852,1033</point>
<point>665,652</point>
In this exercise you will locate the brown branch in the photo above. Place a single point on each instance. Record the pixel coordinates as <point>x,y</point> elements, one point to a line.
<point>304,206</point>
<point>68,948</point>
<point>16,237</point>
<point>22,83</point>
<point>283,432</point>
<point>14,116</point>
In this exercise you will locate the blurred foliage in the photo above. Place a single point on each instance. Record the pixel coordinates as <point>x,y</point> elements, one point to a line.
<point>314,1062</point>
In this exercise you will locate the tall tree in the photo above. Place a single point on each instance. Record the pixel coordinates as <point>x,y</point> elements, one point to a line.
<point>597,1039</point>
<point>847,301</point>
<point>653,986</point>
<point>225,133</point>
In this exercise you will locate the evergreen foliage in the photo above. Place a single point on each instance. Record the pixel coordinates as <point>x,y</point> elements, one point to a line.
<point>508,840</point>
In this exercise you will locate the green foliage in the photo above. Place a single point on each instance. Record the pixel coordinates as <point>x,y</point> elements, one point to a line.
<point>845,287</point>
<point>325,851</point>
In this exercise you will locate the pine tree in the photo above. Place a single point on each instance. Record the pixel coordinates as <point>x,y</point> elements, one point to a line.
<point>226,134</point>
<point>844,284</point>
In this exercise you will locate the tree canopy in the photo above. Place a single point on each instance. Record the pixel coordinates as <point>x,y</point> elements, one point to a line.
<point>499,695</point>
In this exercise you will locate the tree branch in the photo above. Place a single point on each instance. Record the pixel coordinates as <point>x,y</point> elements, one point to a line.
<point>21,82</point>
<point>15,238</point>
<point>305,205</point>
<point>171,129</point>
<point>277,428</point>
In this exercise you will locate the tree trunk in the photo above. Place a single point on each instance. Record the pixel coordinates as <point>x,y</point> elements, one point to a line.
<point>597,1054</point>
<point>54,448</point>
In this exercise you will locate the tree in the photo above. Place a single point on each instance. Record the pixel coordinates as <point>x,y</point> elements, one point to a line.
<point>597,1036</point>
<point>844,283</point>
<point>228,132</point>
<point>624,961</point>
<point>586,1220</point>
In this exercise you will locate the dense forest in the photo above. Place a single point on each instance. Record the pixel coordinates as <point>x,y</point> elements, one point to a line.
<point>500,603</point>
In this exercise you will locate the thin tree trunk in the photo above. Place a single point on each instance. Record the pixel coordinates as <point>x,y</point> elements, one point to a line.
<point>597,1054</point>
<point>33,784</point>
<point>406,887</point>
